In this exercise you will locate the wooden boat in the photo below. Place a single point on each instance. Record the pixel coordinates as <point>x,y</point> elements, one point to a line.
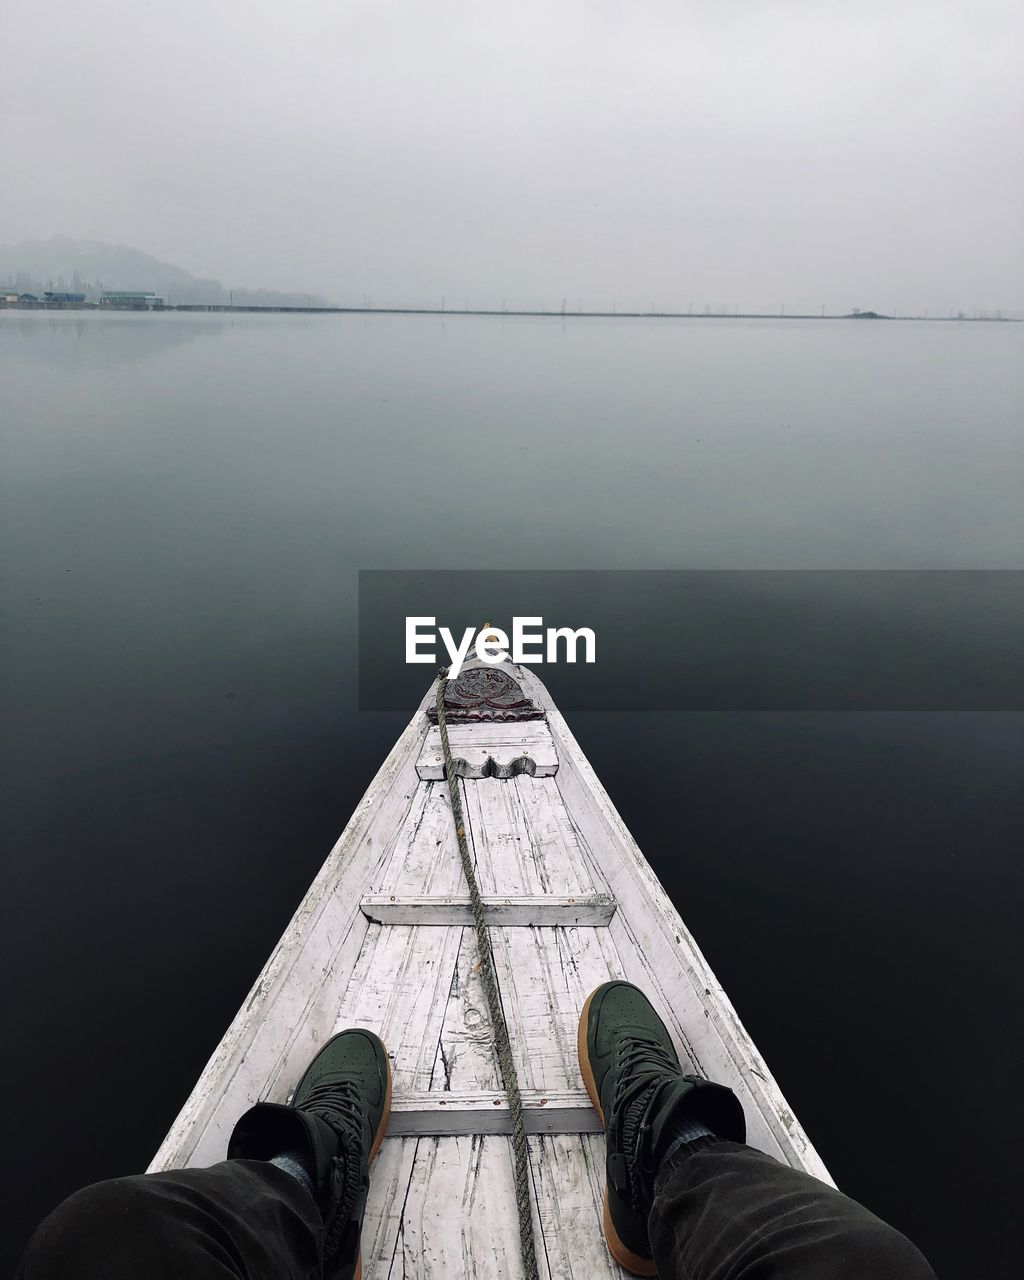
<point>384,939</point>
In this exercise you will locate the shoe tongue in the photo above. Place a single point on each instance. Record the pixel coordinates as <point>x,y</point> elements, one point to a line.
<point>336,1118</point>
<point>324,1146</point>
<point>333,1109</point>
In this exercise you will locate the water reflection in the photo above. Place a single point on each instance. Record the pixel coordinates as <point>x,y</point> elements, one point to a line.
<point>187,502</point>
<point>73,341</point>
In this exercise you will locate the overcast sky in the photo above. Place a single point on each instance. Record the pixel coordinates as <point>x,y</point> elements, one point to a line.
<point>723,152</point>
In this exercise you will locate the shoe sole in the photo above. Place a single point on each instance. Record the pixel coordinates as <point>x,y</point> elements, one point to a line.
<point>378,1138</point>
<point>625,1257</point>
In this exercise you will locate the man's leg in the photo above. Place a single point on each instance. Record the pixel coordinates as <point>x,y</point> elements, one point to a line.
<point>685,1198</point>
<point>723,1211</point>
<point>287,1203</point>
<point>242,1219</point>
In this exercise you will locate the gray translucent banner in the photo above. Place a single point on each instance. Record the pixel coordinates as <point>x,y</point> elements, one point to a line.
<point>682,640</point>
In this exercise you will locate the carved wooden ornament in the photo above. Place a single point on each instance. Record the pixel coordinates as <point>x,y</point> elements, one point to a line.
<point>485,695</point>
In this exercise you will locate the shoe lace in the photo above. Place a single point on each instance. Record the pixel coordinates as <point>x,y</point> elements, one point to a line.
<point>645,1070</point>
<point>641,1062</point>
<point>337,1102</point>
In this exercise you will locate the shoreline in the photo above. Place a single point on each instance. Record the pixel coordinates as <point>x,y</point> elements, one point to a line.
<point>232,309</point>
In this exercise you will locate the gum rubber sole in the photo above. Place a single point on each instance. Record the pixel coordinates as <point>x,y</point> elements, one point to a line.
<point>625,1257</point>
<point>378,1138</point>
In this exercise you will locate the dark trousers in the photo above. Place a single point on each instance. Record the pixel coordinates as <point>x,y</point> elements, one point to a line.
<point>723,1212</point>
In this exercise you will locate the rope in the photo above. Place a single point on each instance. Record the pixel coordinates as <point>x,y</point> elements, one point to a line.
<point>509,1078</point>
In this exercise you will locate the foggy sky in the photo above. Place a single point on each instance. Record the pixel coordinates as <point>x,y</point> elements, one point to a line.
<point>724,152</point>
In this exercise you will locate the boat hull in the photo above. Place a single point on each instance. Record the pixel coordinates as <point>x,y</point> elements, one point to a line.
<point>383,939</point>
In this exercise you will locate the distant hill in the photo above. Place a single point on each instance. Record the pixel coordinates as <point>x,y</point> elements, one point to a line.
<point>89,266</point>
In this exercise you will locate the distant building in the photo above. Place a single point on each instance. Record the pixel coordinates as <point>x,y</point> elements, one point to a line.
<point>130,300</point>
<point>60,296</point>
<point>9,297</point>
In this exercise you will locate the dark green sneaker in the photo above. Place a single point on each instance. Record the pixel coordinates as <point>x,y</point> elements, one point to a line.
<point>638,1089</point>
<point>336,1122</point>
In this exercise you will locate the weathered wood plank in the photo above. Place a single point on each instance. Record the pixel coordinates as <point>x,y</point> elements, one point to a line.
<point>445,1206</point>
<point>526,733</point>
<point>550,909</point>
<point>457,1216</point>
<point>426,853</point>
<point>465,1060</point>
<point>400,989</point>
<point>544,976</point>
<point>521,837</point>
<point>524,840</point>
<point>382,1224</point>
<point>568,1183</point>
<point>436,1113</point>
<point>490,750</point>
<point>419,989</point>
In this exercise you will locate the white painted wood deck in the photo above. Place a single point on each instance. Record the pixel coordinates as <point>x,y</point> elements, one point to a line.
<point>384,940</point>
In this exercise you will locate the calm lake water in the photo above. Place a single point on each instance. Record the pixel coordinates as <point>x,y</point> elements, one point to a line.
<point>187,501</point>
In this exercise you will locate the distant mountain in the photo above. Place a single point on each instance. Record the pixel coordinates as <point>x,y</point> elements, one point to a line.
<point>89,266</point>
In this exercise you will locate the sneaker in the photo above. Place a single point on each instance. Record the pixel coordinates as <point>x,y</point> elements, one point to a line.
<point>634,1079</point>
<point>336,1122</point>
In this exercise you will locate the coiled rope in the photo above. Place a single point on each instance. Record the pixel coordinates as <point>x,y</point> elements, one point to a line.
<point>506,1064</point>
